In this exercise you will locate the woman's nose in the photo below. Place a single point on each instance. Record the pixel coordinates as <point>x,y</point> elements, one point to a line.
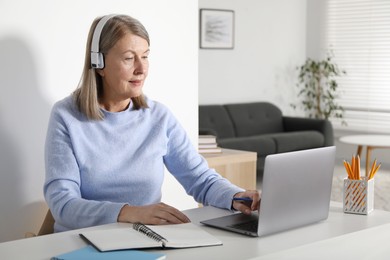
<point>139,66</point>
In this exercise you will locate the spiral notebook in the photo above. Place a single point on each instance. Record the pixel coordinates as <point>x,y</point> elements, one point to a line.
<point>148,236</point>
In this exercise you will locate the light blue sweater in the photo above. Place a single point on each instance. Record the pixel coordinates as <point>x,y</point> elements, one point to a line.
<point>94,168</point>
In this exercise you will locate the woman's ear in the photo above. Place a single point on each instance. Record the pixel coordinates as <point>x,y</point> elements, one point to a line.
<point>100,72</point>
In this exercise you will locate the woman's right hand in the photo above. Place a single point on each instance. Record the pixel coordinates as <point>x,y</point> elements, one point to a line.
<point>155,214</point>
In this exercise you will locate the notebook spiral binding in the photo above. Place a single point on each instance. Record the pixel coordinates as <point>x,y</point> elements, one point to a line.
<point>150,233</point>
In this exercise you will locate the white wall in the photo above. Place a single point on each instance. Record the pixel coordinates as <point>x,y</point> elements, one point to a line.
<point>42,45</point>
<point>270,41</point>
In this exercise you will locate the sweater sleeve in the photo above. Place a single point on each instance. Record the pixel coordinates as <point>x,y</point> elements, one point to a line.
<point>192,171</point>
<point>62,183</point>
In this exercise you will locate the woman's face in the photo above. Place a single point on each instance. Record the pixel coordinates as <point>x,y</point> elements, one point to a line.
<point>125,71</point>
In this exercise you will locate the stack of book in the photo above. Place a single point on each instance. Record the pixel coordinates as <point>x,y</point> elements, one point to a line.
<point>208,144</point>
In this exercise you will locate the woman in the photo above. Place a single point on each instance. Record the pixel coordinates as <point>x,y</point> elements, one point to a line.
<point>107,144</point>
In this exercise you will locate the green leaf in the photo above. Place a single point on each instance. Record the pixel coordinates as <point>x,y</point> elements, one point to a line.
<point>318,87</point>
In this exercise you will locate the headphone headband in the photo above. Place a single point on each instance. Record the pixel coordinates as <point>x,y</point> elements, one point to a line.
<point>97,59</point>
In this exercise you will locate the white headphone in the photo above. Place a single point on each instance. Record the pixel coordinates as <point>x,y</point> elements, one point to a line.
<point>97,58</point>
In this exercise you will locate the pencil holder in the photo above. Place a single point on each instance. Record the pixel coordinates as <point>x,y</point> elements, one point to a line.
<point>358,196</point>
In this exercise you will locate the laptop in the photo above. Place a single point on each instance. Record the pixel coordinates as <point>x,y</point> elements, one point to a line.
<point>296,191</point>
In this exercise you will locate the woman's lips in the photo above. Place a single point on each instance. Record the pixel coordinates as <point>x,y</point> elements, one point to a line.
<point>136,82</point>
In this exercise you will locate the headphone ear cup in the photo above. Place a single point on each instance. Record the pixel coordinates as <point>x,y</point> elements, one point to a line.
<point>97,60</point>
<point>101,60</point>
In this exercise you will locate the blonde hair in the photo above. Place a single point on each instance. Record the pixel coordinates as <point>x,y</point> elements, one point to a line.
<point>90,87</point>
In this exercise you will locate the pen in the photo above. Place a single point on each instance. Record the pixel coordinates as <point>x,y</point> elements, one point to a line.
<point>242,199</point>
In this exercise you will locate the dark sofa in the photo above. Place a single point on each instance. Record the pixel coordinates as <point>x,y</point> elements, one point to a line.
<point>260,127</point>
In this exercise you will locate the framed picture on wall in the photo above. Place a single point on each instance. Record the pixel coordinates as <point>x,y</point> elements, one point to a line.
<point>216,29</point>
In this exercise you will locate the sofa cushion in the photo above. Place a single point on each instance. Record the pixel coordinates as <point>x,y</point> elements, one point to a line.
<point>255,118</point>
<point>215,117</point>
<point>293,141</point>
<point>262,145</point>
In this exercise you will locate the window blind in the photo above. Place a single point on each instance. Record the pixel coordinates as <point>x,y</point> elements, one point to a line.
<point>358,32</point>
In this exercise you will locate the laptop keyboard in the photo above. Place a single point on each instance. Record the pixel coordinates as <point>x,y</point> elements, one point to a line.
<point>247,226</point>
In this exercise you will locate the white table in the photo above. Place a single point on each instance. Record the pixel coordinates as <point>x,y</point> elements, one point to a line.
<point>234,246</point>
<point>370,141</point>
<point>372,243</point>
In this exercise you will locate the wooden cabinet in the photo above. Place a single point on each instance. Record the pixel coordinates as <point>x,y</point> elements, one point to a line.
<point>237,166</point>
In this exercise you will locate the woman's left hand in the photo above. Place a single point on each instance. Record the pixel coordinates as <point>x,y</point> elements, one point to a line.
<point>247,207</point>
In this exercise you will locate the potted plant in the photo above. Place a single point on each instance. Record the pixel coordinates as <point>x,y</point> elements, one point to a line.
<point>319,88</point>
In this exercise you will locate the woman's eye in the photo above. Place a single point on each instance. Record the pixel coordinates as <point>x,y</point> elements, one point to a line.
<point>129,58</point>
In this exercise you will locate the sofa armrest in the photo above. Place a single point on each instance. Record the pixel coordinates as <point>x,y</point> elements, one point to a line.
<point>300,123</point>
